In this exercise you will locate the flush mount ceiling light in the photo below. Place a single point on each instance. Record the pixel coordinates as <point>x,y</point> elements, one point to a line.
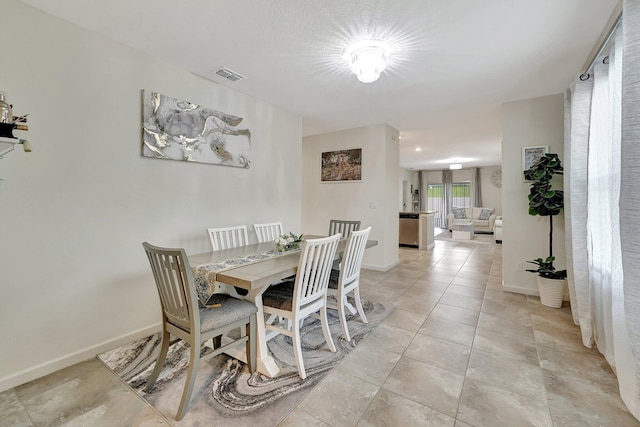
<point>367,59</point>
<point>453,166</point>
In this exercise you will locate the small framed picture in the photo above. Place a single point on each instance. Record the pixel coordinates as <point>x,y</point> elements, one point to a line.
<point>341,166</point>
<point>531,155</point>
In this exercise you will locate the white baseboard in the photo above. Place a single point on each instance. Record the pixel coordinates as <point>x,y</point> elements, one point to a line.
<point>520,290</point>
<point>378,268</point>
<point>529,291</point>
<point>67,360</point>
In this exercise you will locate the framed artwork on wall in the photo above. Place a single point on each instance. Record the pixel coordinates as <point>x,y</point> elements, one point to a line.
<point>180,130</point>
<point>530,155</point>
<point>341,166</point>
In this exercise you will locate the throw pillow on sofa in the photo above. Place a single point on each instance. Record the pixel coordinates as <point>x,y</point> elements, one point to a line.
<point>485,214</point>
<point>459,213</point>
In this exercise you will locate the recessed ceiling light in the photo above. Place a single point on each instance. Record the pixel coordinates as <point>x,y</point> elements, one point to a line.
<point>418,149</point>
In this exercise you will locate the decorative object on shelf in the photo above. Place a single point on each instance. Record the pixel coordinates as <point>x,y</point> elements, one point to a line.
<point>341,166</point>
<point>180,130</point>
<point>496,178</point>
<point>288,242</point>
<point>9,123</point>
<point>6,111</point>
<point>531,155</point>
<point>416,200</point>
<point>367,59</point>
<point>545,201</point>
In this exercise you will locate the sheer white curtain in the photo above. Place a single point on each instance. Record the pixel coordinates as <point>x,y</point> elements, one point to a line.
<point>603,191</point>
<point>577,115</point>
<point>435,203</point>
<point>602,172</point>
<point>627,299</point>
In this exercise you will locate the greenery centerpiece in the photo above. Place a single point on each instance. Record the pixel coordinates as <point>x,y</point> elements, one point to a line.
<point>545,201</point>
<point>288,242</point>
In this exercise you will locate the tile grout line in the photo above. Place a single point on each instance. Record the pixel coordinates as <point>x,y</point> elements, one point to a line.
<point>416,333</point>
<point>402,354</point>
<point>464,380</point>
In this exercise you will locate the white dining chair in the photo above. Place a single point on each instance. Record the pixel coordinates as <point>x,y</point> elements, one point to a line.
<point>183,319</point>
<point>268,232</point>
<point>347,279</point>
<point>306,296</point>
<point>343,227</point>
<point>228,237</point>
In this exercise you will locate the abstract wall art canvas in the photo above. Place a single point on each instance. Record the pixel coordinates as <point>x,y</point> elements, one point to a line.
<point>181,130</point>
<point>342,166</point>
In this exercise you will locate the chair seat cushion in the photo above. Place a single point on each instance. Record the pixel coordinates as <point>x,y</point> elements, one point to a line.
<point>231,310</point>
<point>280,296</point>
<point>333,279</point>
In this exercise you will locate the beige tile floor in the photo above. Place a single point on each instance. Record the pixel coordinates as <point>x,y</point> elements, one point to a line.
<point>455,350</point>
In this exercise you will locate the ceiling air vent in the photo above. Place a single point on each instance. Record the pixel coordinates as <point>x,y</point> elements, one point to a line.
<point>229,75</point>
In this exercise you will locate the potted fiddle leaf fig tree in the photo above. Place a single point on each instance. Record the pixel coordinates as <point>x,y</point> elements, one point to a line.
<point>546,201</point>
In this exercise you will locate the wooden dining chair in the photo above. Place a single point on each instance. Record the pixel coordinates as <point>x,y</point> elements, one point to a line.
<point>343,227</point>
<point>268,232</point>
<point>306,296</point>
<point>228,237</point>
<point>183,319</point>
<point>347,280</point>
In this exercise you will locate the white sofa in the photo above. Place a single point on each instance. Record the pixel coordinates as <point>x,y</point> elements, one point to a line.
<point>497,232</point>
<point>473,215</point>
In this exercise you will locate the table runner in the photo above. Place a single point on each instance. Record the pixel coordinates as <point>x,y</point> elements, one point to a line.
<point>205,274</point>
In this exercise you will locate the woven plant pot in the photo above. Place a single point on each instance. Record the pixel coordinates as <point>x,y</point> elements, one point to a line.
<point>551,291</point>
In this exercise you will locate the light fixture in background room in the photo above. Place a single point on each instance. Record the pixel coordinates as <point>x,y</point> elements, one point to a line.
<point>367,59</point>
<point>454,166</point>
<point>418,149</point>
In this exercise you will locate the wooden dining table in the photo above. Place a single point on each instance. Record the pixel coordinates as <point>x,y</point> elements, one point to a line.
<point>259,265</point>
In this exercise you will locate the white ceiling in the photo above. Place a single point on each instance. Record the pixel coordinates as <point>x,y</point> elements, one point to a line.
<point>453,62</point>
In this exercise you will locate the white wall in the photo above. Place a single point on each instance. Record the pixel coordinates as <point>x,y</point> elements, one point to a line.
<point>491,195</point>
<point>74,212</point>
<point>531,122</point>
<point>374,201</point>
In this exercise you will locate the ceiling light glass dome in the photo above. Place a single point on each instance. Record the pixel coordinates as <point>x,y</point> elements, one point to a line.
<point>367,59</point>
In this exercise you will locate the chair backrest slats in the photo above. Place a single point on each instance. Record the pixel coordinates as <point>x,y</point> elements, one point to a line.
<point>352,259</point>
<point>343,227</point>
<point>268,232</point>
<point>228,237</point>
<point>175,284</point>
<point>314,269</point>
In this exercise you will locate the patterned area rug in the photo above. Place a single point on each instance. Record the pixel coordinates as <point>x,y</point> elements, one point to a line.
<point>225,393</point>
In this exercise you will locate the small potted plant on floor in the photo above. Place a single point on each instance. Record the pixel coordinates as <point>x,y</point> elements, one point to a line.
<point>545,201</point>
